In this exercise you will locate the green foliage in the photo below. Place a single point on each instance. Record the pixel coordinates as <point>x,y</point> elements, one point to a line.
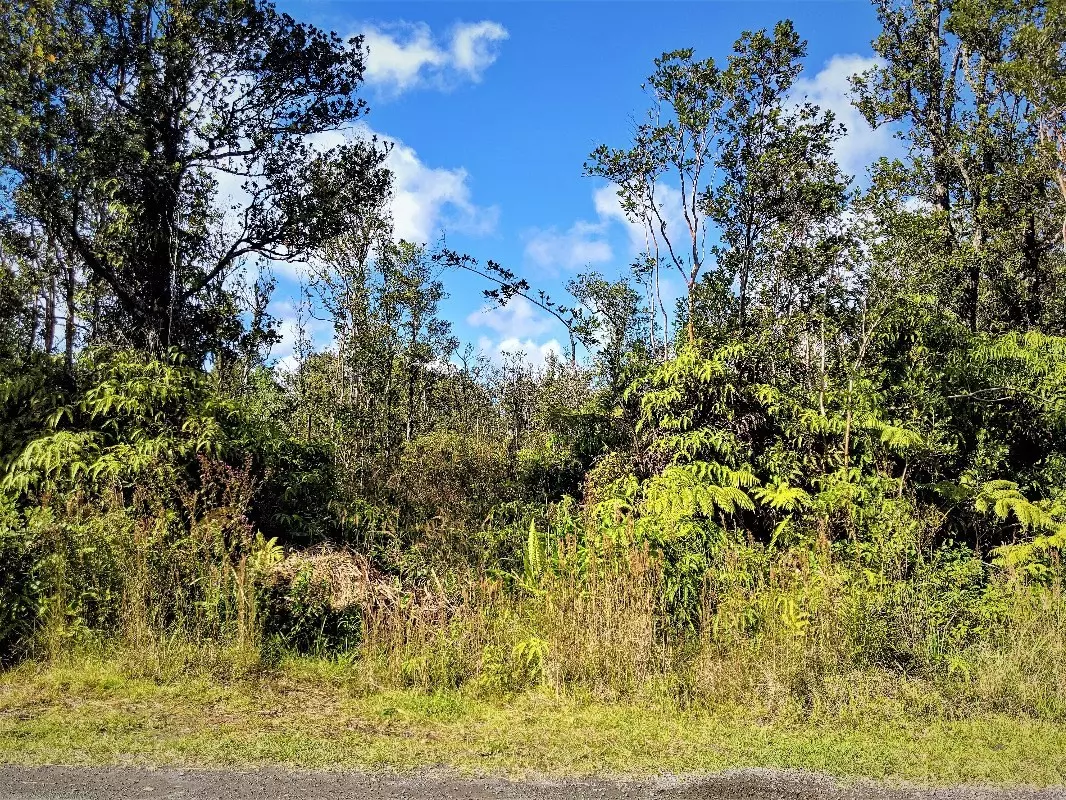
<point>454,476</point>
<point>166,561</point>
<point>118,139</point>
<point>20,589</point>
<point>134,414</point>
<point>851,463</point>
<point>508,672</point>
<point>301,618</point>
<point>132,421</point>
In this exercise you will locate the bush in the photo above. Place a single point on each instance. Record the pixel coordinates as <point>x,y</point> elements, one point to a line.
<point>453,479</point>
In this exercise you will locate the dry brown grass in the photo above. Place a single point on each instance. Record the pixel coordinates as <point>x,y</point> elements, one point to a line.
<point>798,643</point>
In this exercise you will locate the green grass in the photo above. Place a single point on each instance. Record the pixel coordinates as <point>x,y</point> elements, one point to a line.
<point>312,715</point>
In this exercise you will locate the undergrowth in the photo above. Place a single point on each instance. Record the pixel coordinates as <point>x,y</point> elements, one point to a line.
<point>813,631</point>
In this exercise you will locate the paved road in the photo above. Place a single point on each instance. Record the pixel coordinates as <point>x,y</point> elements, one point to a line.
<point>120,783</point>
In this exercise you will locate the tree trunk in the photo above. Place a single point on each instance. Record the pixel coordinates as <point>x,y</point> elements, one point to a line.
<point>50,315</point>
<point>35,319</point>
<point>691,311</point>
<point>69,325</point>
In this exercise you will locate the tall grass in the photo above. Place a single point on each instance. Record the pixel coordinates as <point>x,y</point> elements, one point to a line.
<point>807,642</point>
<point>598,631</point>
<point>138,570</point>
<point>806,629</point>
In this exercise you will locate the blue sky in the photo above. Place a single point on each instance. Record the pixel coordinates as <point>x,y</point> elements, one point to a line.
<point>493,108</point>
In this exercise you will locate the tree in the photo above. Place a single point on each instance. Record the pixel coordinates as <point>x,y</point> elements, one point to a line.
<point>615,322</point>
<point>162,142</point>
<point>778,181</point>
<point>677,139</point>
<point>375,392</point>
<point>745,158</point>
<point>949,75</point>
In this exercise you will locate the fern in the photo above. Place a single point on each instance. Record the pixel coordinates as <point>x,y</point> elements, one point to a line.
<point>683,492</point>
<point>782,497</point>
<point>1003,499</point>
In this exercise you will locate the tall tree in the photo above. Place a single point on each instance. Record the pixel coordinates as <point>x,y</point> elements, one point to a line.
<point>744,155</point>
<point>616,323</point>
<point>163,141</point>
<point>391,349</point>
<point>975,154</point>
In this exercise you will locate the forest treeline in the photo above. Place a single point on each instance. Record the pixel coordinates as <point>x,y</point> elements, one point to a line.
<point>835,468</point>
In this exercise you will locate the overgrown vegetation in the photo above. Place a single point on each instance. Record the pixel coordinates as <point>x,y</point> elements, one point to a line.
<point>832,482</point>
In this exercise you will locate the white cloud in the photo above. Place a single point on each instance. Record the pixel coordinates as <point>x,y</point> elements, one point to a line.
<point>519,326</point>
<point>669,201</point>
<point>536,353</point>
<point>607,204</point>
<point>426,199</point>
<point>406,55</point>
<point>519,318</point>
<point>586,243</point>
<point>582,244</point>
<point>473,46</point>
<point>831,89</point>
<point>320,333</point>
<point>609,207</point>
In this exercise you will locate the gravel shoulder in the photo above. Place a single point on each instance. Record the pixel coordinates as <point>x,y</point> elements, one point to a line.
<point>117,783</point>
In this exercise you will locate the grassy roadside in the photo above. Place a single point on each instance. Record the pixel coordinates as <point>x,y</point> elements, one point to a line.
<point>94,712</point>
